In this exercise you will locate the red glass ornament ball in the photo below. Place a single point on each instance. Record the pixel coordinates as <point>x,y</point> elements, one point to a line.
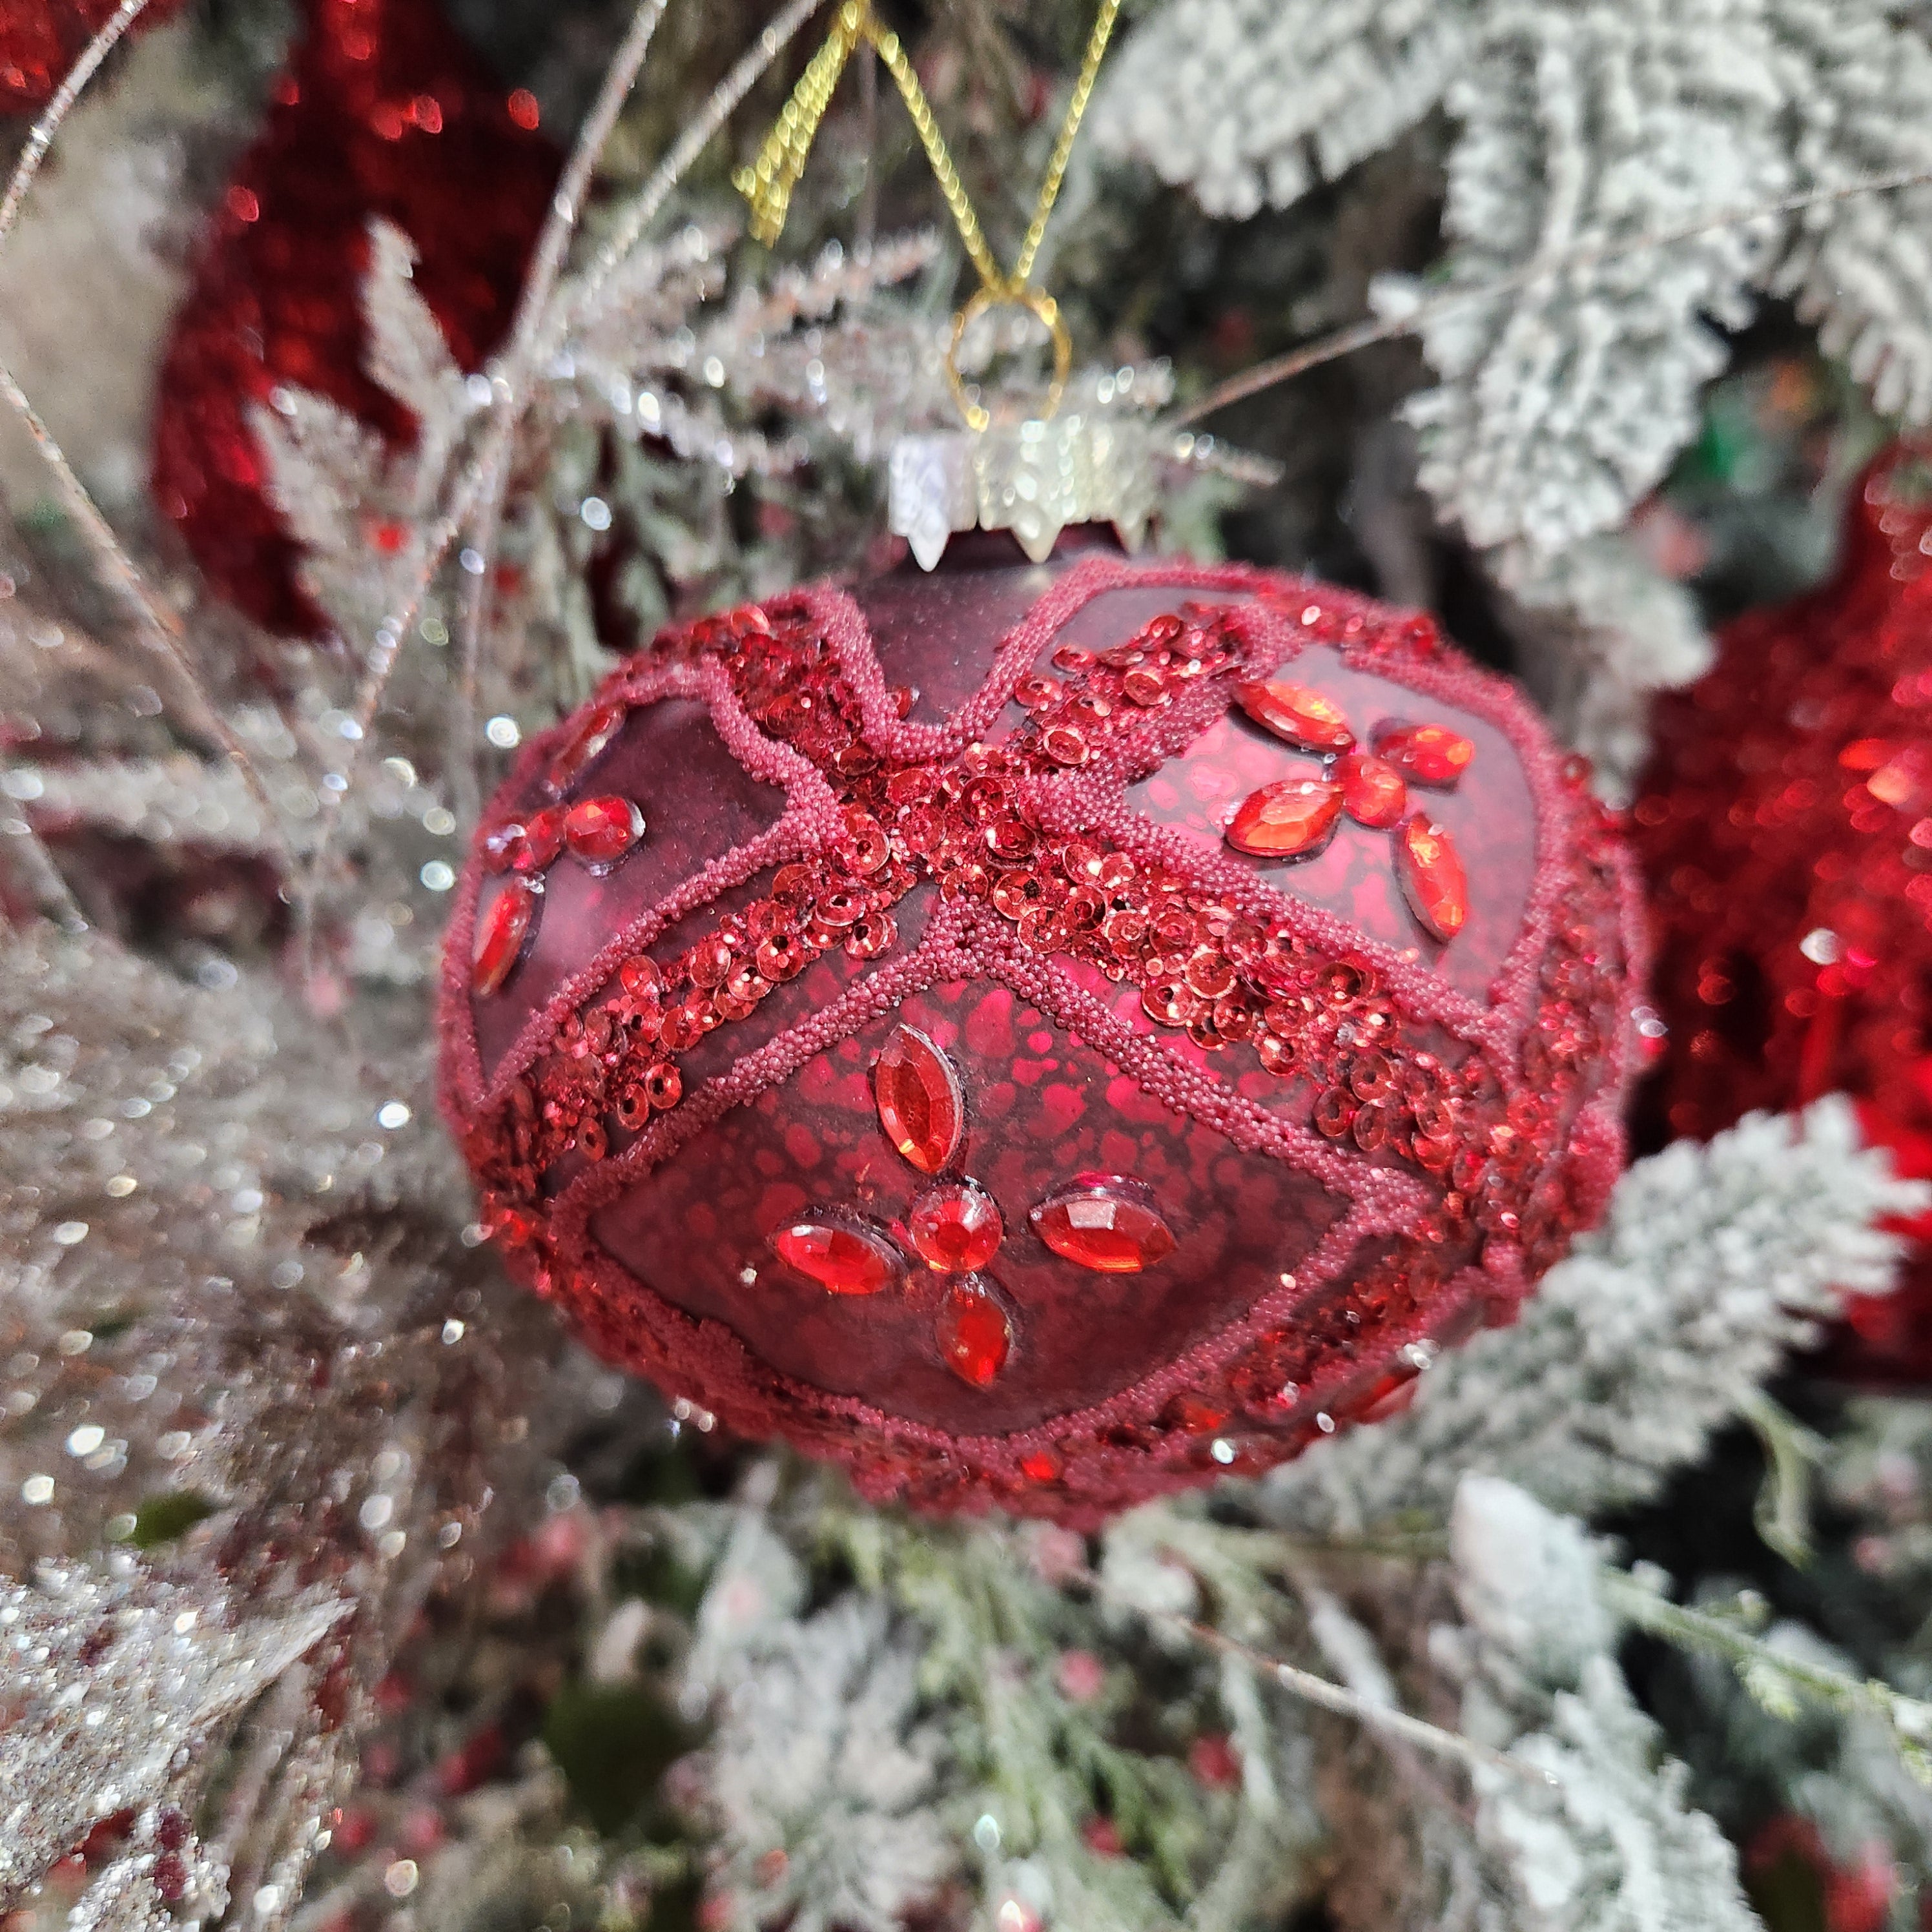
<point>944,1082</point>
<point>1785,828</point>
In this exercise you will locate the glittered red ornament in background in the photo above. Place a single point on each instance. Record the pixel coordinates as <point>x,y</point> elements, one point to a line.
<point>940,1083</point>
<point>40,40</point>
<point>1785,825</point>
<point>383,111</point>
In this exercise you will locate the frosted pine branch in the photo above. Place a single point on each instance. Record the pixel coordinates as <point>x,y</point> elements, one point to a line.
<point>1581,130</point>
<point>819,1755</point>
<point>1714,1262</point>
<point>1598,1836</point>
<point>1610,1843</point>
<point>1583,126</point>
<point>1862,268</point>
<point>1599,630</point>
<point>1250,102</point>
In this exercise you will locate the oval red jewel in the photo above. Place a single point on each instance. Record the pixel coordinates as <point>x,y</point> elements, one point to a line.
<point>1293,818</point>
<point>1430,871</point>
<point>1304,718</point>
<point>955,1227</point>
<point>920,1103</point>
<point>973,1333</point>
<point>501,934</point>
<point>1428,755</point>
<point>586,744</point>
<point>1106,1222</point>
<point>1373,792</point>
<point>842,1258</point>
<point>600,831</point>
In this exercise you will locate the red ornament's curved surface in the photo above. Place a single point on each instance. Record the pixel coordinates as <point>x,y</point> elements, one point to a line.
<point>1785,827</point>
<point>1190,1153</point>
<point>383,111</point>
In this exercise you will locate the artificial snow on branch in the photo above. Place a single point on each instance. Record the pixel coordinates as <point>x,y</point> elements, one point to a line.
<point>1582,129</point>
<point>1713,1262</point>
<point>1599,629</point>
<point>1609,1844</point>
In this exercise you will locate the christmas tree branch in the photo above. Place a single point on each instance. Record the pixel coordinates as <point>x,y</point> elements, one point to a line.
<point>517,366</point>
<point>46,124</point>
<point>1232,1563</point>
<point>1778,1679</point>
<point>155,623</point>
<point>1415,320</point>
<point>473,484</point>
<point>544,323</point>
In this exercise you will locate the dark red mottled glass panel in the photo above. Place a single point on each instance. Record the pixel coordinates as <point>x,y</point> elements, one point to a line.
<point>713,805</point>
<point>1489,815</point>
<point>1044,1107</point>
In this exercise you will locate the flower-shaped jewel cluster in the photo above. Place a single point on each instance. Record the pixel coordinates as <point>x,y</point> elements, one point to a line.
<point>1295,817</point>
<point>1104,1222</point>
<point>597,832</point>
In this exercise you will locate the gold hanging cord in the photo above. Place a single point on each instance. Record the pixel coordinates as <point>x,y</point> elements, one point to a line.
<point>767,184</point>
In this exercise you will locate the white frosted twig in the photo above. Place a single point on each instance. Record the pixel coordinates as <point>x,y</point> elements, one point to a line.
<point>1390,328</point>
<point>32,864</point>
<point>157,625</point>
<point>40,136</point>
<point>517,366</point>
<point>466,493</point>
<point>1329,1696</point>
<point>543,328</point>
<point>579,301</point>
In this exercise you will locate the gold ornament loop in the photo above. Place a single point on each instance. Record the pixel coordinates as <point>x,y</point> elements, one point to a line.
<point>768,182</point>
<point>1037,302</point>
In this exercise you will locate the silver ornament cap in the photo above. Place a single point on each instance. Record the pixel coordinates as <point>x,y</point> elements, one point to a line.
<point>1032,477</point>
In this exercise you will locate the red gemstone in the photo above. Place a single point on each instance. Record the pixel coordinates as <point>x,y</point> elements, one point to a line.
<point>973,1333</point>
<point>1429,754</point>
<point>842,1257</point>
<point>1304,718</point>
<point>955,1227</point>
<point>920,1105</point>
<point>501,846</point>
<point>500,934</point>
<point>1104,1222</point>
<point>1430,870</point>
<point>543,840</point>
<point>1372,789</point>
<point>600,831</point>
<point>585,745</point>
<point>1290,819</point>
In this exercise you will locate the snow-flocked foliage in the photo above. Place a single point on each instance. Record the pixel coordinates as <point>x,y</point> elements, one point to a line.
<point>1591,137</point>
<point>1712,1263</point>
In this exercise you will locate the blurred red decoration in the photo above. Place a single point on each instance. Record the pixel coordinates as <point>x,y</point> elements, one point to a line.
<point>383,111</point>
<point>40,40</point>
<point>1785,826</point>
<point>1155,1158</point>
<point>1794,1880</point>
